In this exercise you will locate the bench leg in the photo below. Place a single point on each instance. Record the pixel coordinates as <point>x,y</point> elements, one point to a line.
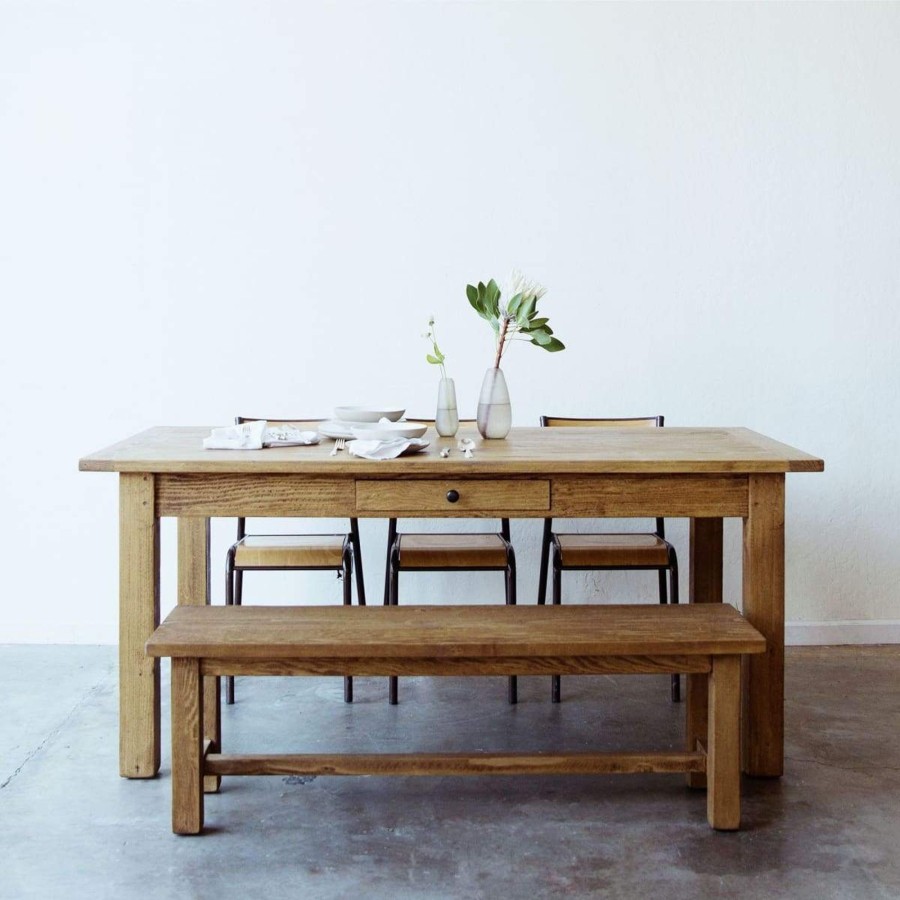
<point>193,590</point>
<point>696,723</point>
<point>187,746</point>
<point>723,801</point>
<point>705,587</point>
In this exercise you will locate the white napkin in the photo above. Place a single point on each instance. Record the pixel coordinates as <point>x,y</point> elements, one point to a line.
<point>248,436</point>
<point>380,449</point>
<point>288,436</point>
<point>256,435</point>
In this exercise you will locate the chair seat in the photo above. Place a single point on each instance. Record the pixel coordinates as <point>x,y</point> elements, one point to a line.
<point>452,551</point>
<point>299,551</point>
<point>612,550</point>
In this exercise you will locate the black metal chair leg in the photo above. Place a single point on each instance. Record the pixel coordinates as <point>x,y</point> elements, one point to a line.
<point>346,576</point>
<point>545,559</point>
<point>392,536</point>
<point>393,600</point>
<point>229,601</point>
<point>512,684</point>
<point>357,562</point>
<point>557,599</point>
<point>673,598</point>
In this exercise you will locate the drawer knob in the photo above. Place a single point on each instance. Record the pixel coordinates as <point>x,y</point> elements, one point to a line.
<point>452,496</point>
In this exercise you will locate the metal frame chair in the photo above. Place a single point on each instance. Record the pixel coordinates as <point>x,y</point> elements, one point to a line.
<point>447,552</point>
<point>292,552</point>
<point>606,551</point>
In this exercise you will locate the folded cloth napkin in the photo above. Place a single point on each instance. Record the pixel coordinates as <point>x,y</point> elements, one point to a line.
<point>247,436</point>
<point>288,436</point>
<point>380,449</point>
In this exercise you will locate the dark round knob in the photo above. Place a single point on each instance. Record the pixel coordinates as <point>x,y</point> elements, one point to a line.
<point>452,496</point>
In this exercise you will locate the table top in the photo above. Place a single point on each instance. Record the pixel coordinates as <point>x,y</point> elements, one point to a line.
<point>526,451</point>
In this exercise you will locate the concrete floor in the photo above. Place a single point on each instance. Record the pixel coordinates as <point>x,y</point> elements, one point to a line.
<point>70,827</point>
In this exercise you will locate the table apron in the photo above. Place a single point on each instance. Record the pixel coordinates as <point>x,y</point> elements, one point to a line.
<point>277,495</point>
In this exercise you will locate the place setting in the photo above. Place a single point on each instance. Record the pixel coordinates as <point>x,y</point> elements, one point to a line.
<point>374,432</point>
<point>259,434</point>
<point>370,432</point>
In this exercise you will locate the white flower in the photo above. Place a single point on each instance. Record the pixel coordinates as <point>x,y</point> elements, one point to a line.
<point>519,284</point>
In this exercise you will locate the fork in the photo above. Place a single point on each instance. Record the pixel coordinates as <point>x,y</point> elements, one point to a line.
<point>338,445</point>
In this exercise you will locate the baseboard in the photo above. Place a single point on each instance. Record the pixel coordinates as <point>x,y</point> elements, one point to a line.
<point>826,634</point>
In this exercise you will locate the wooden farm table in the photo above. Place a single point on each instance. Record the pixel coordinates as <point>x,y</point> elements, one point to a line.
<point>701,473</point>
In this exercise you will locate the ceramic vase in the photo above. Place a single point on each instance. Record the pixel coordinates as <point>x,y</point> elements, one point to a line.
<point>494,412</point>
<point>446,418</point>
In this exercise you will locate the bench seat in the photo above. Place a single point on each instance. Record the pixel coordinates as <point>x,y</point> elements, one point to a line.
<point>704,639</point>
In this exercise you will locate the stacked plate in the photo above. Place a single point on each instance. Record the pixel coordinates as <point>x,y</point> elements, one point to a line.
<point>371,423</point>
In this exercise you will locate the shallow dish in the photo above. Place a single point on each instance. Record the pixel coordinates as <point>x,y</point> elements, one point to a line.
<point>367,413</point>
<point>337,429</point>
<point>389,431</point>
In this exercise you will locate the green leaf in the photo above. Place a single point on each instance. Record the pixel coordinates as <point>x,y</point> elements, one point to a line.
<point>492,294</point>
<point>538,323</point>
<point>555,345</point>
<point>524,312</point>
<point>512,308</point>
<point>477,300</point>
<point>433,360</point>
<point>540,336</point>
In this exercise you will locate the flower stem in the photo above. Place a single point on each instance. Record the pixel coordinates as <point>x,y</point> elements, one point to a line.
<point>501,340</point>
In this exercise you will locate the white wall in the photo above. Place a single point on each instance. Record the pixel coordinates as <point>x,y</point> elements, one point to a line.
<point>212,208</point>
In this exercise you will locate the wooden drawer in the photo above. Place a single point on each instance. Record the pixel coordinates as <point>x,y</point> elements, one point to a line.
<point>490,497</point>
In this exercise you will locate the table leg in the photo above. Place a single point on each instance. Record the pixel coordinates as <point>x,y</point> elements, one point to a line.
<point>139,733</point>
<point>193,590</point>
<point>705,586</point>
<point>763,606</point>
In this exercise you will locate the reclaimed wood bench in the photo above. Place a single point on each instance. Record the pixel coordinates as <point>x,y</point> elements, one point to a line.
<point>702,639</point>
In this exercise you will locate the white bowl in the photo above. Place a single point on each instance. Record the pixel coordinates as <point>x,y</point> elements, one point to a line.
<point>389,431</point>
<point>366,413</point>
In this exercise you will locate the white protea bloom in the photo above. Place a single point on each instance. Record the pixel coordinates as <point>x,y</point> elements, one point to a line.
<point>519,284</point>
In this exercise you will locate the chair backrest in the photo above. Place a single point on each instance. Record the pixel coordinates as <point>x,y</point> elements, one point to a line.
<point>629,422</point>
<point>430,421</point>
<point>392,523</point>
<point>639,422</point>
<point>239,420</point>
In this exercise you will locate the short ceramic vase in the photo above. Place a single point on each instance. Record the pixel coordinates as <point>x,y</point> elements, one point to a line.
<point>446,418</point>
<point>494,412</point>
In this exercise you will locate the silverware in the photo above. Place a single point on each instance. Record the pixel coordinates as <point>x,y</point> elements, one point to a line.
<point>338,445</point>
